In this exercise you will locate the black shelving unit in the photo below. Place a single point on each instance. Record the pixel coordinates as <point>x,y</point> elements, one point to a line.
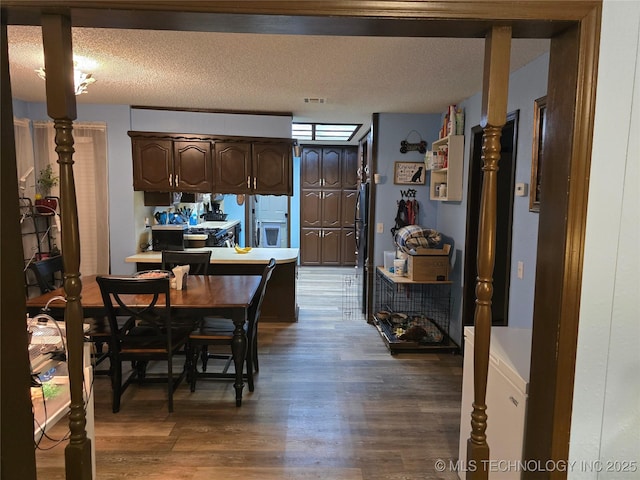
<point>38,241</point>
<point>426,304</point>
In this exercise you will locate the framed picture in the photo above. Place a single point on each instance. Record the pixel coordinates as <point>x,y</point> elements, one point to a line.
<point>409,173</point>
<point>537,155</point>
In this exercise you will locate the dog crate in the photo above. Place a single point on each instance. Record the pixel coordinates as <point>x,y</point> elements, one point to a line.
<point>401,303</point>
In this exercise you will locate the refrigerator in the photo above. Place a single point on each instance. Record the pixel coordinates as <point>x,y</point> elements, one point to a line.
<point>361,233</point>
<point>506,399</point>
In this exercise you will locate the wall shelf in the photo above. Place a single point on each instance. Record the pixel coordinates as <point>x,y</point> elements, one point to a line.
<point>444,161</point>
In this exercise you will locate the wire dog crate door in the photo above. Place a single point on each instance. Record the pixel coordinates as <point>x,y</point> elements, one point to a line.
<point>401,304</point>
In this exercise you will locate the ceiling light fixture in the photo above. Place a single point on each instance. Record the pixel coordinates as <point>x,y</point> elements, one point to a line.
<point>81,80</point>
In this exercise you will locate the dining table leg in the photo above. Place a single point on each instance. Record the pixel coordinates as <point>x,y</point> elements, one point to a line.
<point>239,350</point>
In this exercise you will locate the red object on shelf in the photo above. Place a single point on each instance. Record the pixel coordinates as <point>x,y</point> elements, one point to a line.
<point>47,205</point>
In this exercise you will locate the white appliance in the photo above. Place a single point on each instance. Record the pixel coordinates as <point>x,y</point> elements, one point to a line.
<point>507,394</point>
<point>270,233</point>
<point>268,221</point>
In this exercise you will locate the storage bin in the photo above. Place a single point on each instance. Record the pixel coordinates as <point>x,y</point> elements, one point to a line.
<point>429,264</point>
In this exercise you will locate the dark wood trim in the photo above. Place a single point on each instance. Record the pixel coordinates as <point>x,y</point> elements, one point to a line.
<point>16,418</point>
<point>575,21</point>
<point>570,113</point>
<point>370,264</point>
<point>211,110</point>
<point>530,19</point>
<point>206,137</point>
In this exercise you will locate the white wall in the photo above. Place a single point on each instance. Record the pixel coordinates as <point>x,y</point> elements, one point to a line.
<point>605,424</point>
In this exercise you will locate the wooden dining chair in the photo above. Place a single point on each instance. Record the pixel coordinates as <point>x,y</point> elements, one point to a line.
<point>198,265</point>
<point>49,274</point>
<point>198,261</point>
<point>147,333</point>
<point>219,331</point>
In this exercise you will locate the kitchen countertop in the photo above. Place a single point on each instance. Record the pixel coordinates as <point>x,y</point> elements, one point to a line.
<point>227,255</point>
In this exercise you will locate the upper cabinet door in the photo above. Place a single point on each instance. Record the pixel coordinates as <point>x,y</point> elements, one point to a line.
<point>350,168</point>
<point>193,169</point>
<point>310,167</point>
<point>272,169</point>
<point>233,168</point>
<point>330,166</point>
<point>152,165</point>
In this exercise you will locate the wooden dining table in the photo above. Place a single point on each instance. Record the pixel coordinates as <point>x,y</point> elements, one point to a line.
<point>218,295</point>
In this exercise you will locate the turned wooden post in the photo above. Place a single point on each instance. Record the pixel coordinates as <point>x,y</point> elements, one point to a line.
<point>494,116</point>
<point>61,106</point>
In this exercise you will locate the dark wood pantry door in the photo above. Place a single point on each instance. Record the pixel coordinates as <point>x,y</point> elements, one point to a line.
<point>327,205</point>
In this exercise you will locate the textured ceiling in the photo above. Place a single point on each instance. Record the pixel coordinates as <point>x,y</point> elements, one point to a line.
<point>274,73</point>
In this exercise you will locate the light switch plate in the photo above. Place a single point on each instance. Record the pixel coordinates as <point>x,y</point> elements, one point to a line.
<point>380,228</point>
<point>520,270</point>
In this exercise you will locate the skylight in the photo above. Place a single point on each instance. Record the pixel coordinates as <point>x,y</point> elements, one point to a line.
<point>324,132</point>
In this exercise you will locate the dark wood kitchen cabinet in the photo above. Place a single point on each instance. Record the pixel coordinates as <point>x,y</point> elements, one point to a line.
<point>320,246</point>
<point>232,167</point>
<point>348,246</point>
<point>254,168</point>
<point>348,207</point>
<point>327,206</point>
<point>321,167</point>
<point>175,162</point>
<point>165,165</point>
<point>272,168</point>
<point>152,164</point>
<point>320,209</point>
<point>193,171</point>
<point>350,163</point>
<point>321,235</point>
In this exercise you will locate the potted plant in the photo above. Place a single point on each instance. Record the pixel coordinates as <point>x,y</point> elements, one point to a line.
<point>46,181</point>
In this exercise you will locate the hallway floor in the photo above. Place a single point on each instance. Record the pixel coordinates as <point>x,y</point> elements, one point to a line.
<point>330,403</point>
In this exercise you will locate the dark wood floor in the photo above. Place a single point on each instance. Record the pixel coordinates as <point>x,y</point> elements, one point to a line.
<point>330,403</point>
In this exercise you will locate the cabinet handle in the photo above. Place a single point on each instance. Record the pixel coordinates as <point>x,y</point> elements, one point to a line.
<point>175,180</point>
<point>248,182</point>
<point>171,179</point>
<point>255,183</point>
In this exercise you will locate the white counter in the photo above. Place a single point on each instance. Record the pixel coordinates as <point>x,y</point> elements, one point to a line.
<point>227,255</point>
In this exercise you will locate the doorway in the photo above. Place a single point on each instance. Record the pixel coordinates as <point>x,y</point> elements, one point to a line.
<point>268,221</point>
<point>504,223</point>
